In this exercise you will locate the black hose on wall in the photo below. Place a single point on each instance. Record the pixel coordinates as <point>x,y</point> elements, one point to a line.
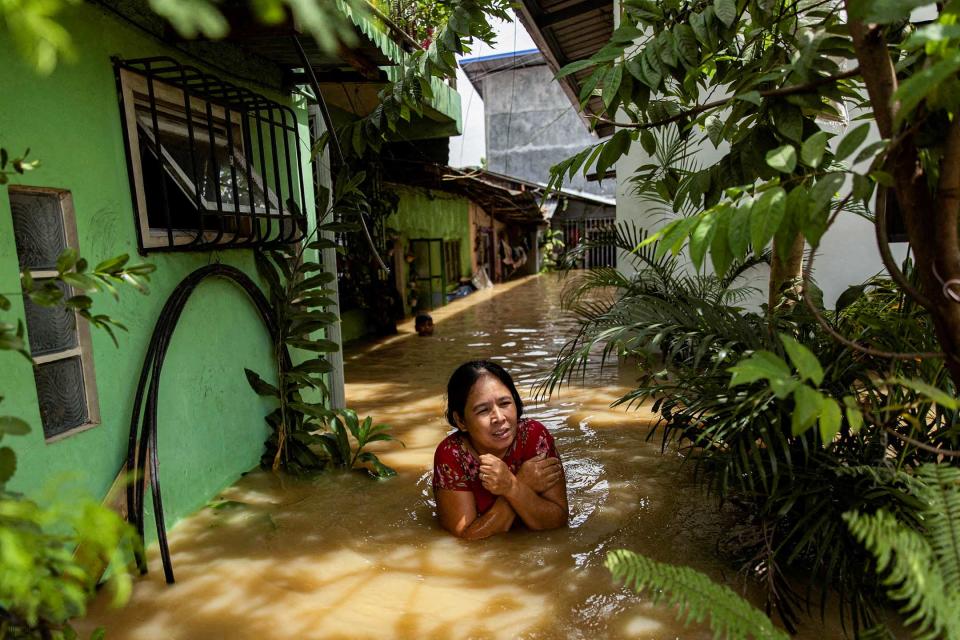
<point>142,443</point>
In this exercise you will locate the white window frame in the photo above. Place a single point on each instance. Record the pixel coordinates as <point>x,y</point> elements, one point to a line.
<point>134,88</point>
<point>84,348</point>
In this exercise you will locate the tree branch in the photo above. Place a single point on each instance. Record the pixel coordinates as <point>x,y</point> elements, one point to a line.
<point>769,93</point>
<point>886,256</point>
<point>950,453</point>
<point>878,72</point>
<point>948,204</point>
<point>836,335</point>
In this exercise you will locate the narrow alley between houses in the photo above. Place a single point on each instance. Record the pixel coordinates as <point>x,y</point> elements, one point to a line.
<point>342,557</point>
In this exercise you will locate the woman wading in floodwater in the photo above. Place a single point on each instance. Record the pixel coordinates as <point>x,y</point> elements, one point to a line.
<point>496,469</point>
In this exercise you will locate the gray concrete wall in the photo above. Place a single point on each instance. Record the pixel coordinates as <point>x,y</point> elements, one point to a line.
<point>531,125</point>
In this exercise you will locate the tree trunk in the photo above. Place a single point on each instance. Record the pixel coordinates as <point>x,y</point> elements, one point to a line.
<point>931,217</point>
<point>787,272</point>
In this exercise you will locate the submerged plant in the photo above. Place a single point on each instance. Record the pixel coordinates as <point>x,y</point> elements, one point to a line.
<point>302,307</point>
<point>339,450</point>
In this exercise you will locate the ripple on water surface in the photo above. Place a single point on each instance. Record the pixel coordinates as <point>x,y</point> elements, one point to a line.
<point>342,556</point>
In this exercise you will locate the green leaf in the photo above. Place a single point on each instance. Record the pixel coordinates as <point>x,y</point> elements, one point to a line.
<point>753,97</point>
<point>803,360</point>
<point>720,252</point>
<point>611,85</point>
<point>666,49</point>
<point>80,281</point>
<point>573,67</point>
<point>807,406</point>
<point>693,596</point>
<point>702,236</point>
<point>849,296</point>
<point>261,387</point>
<point>852,141</point>
<point>321,345</point>
<point>8,464</point>
<point>739,228</point>
<point>726,11</point>
<point>783,159</point>
<point>321,244</point>
<point>11,426</point>
<point>853,413</point>
<point>788,120</point>
<point>67,259</point>
<point>671,237</point>
<point>686,43</point>
<point>380,470</point>
<point>761,365</point>
<point>918,86</point>
<point>765,217</point>
<point>112,265</point>
<point>615,147</point>
<point>648,142</point>
<point>830,420</point>
<point>939,396</point>
<point>811,153</point>
<point>698,23</point>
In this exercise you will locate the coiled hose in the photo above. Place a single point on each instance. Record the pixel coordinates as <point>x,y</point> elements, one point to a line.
<point>142,444</point>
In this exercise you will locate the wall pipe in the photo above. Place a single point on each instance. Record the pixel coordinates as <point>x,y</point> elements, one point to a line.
<point>142,449</point>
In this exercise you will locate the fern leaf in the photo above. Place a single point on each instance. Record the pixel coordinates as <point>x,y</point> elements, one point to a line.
<point>911,572</point>
<point>942,494</point>
<point>694,595</point>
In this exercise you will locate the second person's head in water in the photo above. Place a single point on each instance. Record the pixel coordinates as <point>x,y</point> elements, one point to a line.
<point>483,402</point>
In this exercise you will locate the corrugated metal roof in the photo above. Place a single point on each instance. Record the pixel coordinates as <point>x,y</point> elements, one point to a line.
<point>566,31</point>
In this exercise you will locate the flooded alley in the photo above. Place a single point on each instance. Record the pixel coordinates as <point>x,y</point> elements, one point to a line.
<point>345,556</point>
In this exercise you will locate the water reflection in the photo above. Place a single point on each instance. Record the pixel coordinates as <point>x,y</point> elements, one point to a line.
<point>342,556</point>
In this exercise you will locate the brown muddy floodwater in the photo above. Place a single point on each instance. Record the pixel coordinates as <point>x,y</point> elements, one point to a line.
<point>343,556</point>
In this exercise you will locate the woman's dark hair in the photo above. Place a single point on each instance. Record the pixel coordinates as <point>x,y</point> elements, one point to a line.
<point>466,376</point>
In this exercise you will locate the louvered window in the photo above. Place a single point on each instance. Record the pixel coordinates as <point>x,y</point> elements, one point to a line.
<point>43,227</point>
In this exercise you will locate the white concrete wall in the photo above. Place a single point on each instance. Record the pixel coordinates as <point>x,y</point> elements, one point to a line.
<point>848,252</point>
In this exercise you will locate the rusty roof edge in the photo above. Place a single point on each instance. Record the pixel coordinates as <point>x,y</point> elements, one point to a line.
<point>522,10</point>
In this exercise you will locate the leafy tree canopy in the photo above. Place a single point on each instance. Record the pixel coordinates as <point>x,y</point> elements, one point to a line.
<point>760,80</point>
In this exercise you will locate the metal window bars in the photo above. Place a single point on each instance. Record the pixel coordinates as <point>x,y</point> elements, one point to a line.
<point>212,165</point>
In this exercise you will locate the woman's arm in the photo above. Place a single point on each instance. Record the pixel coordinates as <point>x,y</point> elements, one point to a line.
<point>458,515</point>
<point>538,511</point>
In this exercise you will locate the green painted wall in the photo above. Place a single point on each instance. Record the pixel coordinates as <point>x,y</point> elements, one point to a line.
<point>423,213</point>
<point>211,425</point>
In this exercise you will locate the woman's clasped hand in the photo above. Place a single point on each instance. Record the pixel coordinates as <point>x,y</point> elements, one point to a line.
<point>497,468</point>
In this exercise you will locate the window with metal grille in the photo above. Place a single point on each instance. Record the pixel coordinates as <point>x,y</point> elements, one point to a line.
<point>43,226</point>
<point>212,165</point>
<point>451,251</point>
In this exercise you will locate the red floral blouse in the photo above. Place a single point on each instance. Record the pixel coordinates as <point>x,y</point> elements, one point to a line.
<point>457,469</point>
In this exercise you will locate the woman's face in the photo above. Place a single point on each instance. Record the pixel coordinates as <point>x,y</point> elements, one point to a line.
<point>489,416</point>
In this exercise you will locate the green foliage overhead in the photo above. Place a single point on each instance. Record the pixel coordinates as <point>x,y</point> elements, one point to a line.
<point>467,21</point>
<point>38,33</point>
<point>695,597</point>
